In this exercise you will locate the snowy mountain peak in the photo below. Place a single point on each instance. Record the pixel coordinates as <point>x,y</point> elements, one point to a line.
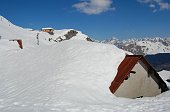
<point>143,46</point>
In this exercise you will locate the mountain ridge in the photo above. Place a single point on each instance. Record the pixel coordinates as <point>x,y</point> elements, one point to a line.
<point>30,38</point>
<point>142,46</point>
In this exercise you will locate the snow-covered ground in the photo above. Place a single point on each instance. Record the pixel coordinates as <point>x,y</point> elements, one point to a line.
<point>9,31</point>
<point>70,76</point>
<point>65,74</point>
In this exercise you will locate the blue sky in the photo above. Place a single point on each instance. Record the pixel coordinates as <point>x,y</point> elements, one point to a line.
<point>100,19</point>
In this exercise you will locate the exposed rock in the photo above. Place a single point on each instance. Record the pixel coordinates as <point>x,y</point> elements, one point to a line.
<point>89,39</point>
<point>70,34</point>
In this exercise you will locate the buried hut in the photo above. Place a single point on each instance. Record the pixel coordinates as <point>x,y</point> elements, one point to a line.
<point>137,78</point>
<point>19,41</point>
<point>48,30</point>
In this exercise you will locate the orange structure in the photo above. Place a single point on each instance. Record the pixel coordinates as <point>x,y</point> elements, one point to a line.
<point>48,30</point>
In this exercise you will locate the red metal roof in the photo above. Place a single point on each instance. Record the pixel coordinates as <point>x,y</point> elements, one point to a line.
<point>19,41</point>
<point>125,68</point>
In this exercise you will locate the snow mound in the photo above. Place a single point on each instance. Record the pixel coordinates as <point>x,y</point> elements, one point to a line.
<point>72,71</point>
<point>71,76</point>
<point>6,45</point>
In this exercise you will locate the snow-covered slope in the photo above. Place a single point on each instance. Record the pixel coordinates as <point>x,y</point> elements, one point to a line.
<point>69,76</point>
<point>6,45</point>
<point>9,31</point>
<point>71,72</point>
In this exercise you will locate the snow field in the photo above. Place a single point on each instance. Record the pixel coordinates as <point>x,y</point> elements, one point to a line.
<point>70,76</point>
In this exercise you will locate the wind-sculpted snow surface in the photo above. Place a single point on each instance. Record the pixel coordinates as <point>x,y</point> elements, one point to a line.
<point>71,76</point>
<point>68,72</point>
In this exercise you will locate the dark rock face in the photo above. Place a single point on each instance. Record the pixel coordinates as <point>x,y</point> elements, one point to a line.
<point>159,61</point>
<point>89,39</point>
<point>70,34</point>
<point>168,80</point>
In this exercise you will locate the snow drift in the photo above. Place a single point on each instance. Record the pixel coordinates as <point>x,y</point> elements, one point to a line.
<point>71,71</point>
<point>69,76</point>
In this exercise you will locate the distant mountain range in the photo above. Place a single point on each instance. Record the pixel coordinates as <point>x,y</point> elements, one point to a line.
<point>142,46</point>
<point>156,50</point>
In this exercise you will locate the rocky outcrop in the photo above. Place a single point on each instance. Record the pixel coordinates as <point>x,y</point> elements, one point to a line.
<point>70,34</point>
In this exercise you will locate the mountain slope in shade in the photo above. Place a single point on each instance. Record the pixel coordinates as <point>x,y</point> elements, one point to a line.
<point>159,61</point>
